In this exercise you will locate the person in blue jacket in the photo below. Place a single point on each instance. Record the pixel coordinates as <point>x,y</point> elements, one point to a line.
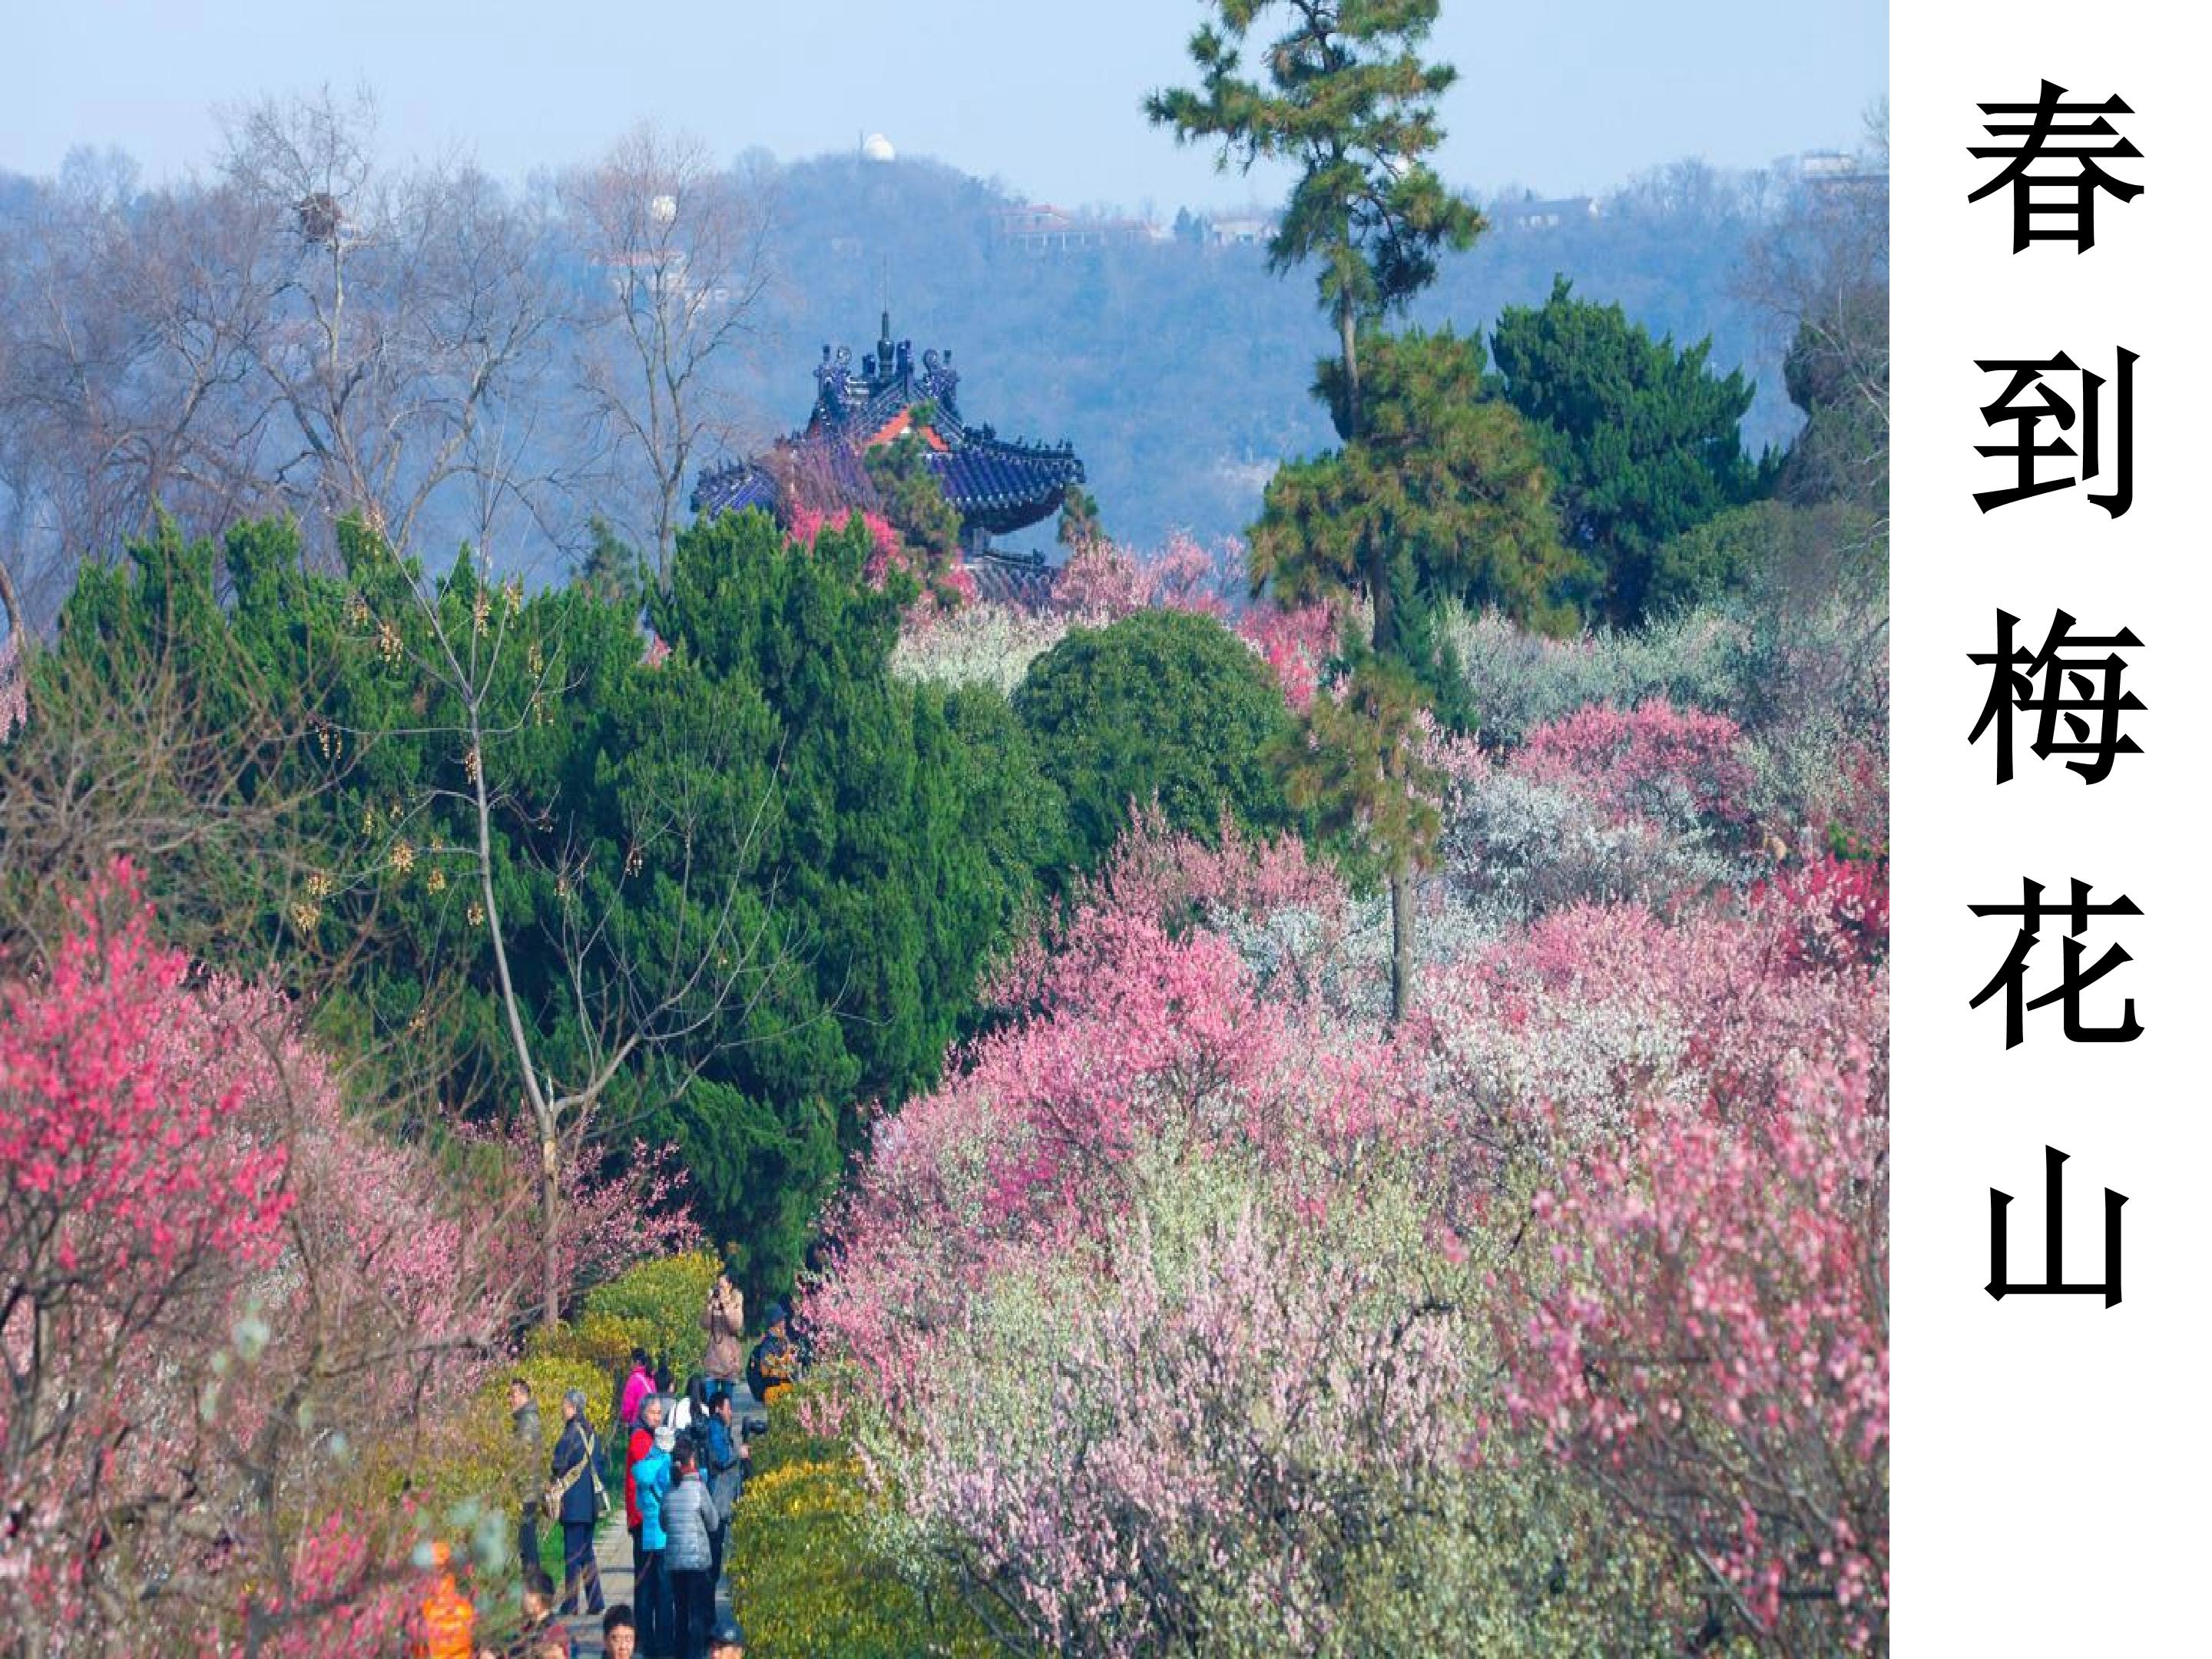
<point>656,1633</point>
<point>726,1453</point>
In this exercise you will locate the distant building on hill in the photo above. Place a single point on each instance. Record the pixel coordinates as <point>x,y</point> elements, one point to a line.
<point>1040,228</point>
<point>1832,172</point>
<point>1534,213</point>
<point>997,485</point>
<point>1244,230</point>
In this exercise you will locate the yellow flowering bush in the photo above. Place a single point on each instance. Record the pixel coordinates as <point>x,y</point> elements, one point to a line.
<point>666,1300</point>
<point>807,1575</point>
<point>600,1342</point>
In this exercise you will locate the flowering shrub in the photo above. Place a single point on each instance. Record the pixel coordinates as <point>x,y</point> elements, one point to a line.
<point>1841,907</point>
<point>233,1302</point>
<point>1196,1308</point>
<point>1710,1342</point>
<point>1518,680</point>
<point>615,1213</point>
<point>1515,850</point>
<point>1102,582</point>
<point>1294,644</point>
<point>1683,769</point>
<point>637,1215</point>
<point>809,1568</point>
<point>667,1299</point>
<point>983,644</point>
<point>134,1205</point>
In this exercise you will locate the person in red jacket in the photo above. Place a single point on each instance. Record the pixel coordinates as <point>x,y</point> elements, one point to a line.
<point>640,1445</point>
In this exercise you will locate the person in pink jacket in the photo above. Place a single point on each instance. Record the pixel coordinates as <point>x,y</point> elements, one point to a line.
<point>640,1385</point>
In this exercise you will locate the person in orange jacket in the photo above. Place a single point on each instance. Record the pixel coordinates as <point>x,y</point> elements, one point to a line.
<point>449,1617</point>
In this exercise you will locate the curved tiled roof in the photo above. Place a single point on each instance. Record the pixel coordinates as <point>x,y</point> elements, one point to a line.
<point>997,486</point>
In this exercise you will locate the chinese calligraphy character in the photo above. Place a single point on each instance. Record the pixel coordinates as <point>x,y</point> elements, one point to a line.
<point>2094,684</point>
<point>2045,137</point>
<point>2028,374</point>
<point>2054,1283</point>
<point>2074,980</point>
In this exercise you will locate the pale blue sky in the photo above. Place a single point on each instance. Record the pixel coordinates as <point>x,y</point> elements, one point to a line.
<point>1568,95</point>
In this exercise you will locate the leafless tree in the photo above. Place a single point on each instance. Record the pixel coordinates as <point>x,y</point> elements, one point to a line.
<point>679,262</point>
<point>666,1010</point>
<point>407,312</point>
<point>1821,275</point>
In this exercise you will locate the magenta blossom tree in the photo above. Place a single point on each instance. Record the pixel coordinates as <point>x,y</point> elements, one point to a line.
<point>230,1310</point>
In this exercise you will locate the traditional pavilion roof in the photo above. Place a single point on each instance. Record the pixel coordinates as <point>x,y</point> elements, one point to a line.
<point>997,485</point>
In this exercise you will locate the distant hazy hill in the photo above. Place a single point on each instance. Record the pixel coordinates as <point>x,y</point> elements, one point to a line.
<point>1180,371</point>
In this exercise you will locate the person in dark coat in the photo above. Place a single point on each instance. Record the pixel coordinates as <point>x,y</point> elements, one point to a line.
<point>724,1471</point>
<point>577,1496</point>
<point>530,1441</point>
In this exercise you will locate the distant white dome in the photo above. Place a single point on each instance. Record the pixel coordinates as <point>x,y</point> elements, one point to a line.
<point>664,209</point>
<point>877,148</point>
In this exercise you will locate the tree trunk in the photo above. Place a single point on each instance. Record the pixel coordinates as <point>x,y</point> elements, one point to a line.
<point>1374,563</point>
<point>549,1194</point>
<point>1374,557</point>
<point>1347,337</point>
<point>1401,942</point>
<point>12,607</point>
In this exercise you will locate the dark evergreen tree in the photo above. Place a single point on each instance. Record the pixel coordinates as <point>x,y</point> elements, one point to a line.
<point>1349,104</point>
<point>765,801</point>
<point>1642,439</point>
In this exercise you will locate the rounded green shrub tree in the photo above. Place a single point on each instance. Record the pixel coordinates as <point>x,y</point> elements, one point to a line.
<point>1164,703</point>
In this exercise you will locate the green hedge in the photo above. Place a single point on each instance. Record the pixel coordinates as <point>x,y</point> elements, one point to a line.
<point>657,1306</point>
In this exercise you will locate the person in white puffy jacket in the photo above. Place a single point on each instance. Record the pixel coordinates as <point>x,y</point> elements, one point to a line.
<point>689,1515</point>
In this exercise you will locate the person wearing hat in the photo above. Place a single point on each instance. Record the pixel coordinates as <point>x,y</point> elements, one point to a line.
<point>772,1366</point>
<point>727,1640</point>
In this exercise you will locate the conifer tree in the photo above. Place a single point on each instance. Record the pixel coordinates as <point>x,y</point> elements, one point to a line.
<point>1640,437</point>
<point>1442,477</point>
<point>1348,102</point>
<point>1357,768</point>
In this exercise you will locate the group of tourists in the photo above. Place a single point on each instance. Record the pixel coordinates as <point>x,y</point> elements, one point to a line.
<point>683,1465</point>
